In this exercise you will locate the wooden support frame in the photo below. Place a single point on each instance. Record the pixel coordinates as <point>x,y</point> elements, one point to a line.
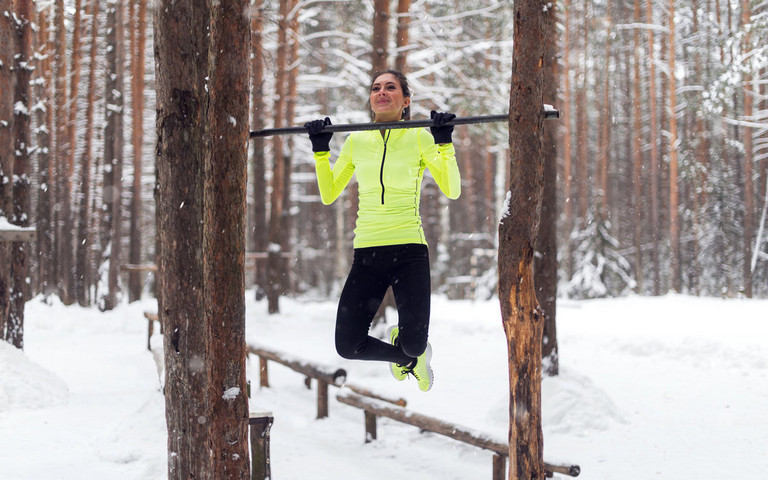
<point>373,408</point>
<point>323,374</point>
<point>19,234</point>
<point>326,376</point>
<point>259,426</point>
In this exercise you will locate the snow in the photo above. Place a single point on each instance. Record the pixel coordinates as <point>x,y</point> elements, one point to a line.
<point>650,388</point>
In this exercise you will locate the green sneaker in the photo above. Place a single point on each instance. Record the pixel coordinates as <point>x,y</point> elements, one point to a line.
<point>423,370</point>
<point>398,371</point>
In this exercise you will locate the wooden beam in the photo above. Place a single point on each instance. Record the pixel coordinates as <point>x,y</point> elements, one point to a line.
<point>373,408</point>
<point>133,267</point>
<point>18,235</point>
<point>331,375</point>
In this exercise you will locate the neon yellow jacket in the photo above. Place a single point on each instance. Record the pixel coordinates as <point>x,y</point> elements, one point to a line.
<point>389,172</point>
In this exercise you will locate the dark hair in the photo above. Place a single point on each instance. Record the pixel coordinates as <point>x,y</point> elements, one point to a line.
<point>403,85</point>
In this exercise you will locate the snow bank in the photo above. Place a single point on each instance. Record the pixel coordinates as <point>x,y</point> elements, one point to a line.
<point>25,384</point>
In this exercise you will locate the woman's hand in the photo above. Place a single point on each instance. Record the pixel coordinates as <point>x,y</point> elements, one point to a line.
<point>321,140</point>
<point>441,132</point>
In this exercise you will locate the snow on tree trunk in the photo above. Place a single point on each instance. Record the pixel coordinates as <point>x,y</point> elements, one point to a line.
<point>21,199</point>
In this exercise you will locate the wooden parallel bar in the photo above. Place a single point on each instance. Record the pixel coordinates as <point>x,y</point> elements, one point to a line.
<point>331,375</point>
<point>424,422</point>
<point>373,408</point>
<point>401,402</point>
<point>324,375</point>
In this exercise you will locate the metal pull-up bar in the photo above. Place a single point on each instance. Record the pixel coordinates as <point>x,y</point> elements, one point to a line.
<point>549,113</point>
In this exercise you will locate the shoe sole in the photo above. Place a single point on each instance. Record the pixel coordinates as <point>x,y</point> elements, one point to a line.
<point>430,373</point>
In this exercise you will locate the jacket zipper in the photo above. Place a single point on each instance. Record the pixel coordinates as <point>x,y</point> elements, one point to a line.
<point>381,173</point>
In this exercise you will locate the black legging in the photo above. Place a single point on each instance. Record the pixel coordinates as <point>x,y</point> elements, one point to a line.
<point>406,269</point>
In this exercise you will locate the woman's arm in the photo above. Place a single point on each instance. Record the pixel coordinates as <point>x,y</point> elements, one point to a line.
<point>332,182</point>
<point>441,162</point>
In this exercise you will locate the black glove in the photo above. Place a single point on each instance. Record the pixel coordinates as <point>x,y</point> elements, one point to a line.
<point>321,140</point>
<point>441,132</point>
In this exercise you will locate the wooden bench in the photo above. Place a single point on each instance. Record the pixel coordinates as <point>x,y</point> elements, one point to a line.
<point>373,408</point>
<point>324,375</point>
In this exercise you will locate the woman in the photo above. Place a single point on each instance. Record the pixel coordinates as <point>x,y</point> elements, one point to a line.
<point>390,248</point>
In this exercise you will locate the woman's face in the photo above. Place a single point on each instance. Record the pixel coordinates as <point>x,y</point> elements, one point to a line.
<point>387,100</point>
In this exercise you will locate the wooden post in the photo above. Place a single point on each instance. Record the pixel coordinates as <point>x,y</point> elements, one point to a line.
<point>150,330</point>
<point>322,398</point>
<point>263,373</point>
<point>259,426</point>
<point>499,467</point>
<point>370,426</point>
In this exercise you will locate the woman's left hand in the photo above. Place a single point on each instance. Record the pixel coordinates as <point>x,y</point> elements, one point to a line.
<point>440,131</point>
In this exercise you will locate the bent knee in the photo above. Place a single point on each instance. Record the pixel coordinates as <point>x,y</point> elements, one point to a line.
<point>347,350</point>
<point>413,347</point>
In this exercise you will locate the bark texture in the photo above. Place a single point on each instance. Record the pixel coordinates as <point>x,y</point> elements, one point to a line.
<point>521,316</point>
<point>181,56</point>
<point>224,238</point>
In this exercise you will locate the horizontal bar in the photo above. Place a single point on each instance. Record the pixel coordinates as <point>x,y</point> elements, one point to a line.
<point>549,113</point>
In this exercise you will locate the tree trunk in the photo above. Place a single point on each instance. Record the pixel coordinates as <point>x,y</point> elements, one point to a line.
<point>58,174</point>
<point>258,159</point>
<point>6,153</point>
<point>637,153</point>
<point>582,126</point>
<point>565,115</point>
<point>380,41</point>
<point>654,151</point>
<point>67,223</point>
<point>545,265</point>
<point>275,270</point>
<point>606,117</point>
<point>287,236</point>
<point>674,194</point>
<point>224,208</point>
<point>25,11</point>
<point>521,316</point>
<point>138,33</point>
<point>403,21</point>
<point>113,152</point>
<point>181,58</point>
<point>83,278</point>
<point>44,117</point>
<point>749,186</point>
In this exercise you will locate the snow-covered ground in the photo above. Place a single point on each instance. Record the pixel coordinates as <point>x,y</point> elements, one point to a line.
<point>650,388</point>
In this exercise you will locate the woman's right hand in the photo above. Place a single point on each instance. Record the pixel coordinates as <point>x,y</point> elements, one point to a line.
<point>321,140</point>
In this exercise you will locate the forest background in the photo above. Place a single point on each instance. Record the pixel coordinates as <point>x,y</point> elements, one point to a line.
<point>661,148</point>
